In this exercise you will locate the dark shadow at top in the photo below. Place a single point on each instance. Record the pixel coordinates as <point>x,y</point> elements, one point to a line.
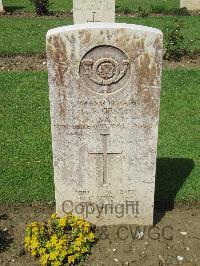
<point>5,240</point>
<point>11,9</point>
<point>170,175</point>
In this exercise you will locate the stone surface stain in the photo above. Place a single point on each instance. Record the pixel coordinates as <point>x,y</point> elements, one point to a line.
<point>59,56</point>
<point>147,73</point>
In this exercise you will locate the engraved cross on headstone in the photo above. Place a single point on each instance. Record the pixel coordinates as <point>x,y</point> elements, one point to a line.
<point>93,18</point>
<point>105,154</point>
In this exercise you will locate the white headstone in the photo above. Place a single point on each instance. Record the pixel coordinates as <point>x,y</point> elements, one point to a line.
<point>1,6</point>
<point>104,81</point>
<point>85,11</point>
<point>190,4</point>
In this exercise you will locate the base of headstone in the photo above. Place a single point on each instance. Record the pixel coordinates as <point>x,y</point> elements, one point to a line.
<point>2,9</point>
<point>190,4</point>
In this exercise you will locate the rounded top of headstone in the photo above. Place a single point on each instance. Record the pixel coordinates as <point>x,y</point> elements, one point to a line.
<point>100,25</point>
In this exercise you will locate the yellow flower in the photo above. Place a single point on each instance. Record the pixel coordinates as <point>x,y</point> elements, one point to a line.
<point>48,244</point>
<point>56,263</point>
<point>33,253</point>
<point>53,255</point>
<point>91,236</point>
<point>86,229</point>
<point>54,244</point>
<point>78,242</point>
<point>44,259</point>
<point>81,238</point>
<point>34,238</point>
<point>54,239</point>
<point>42,251</point>
<point>71,259</point>
<point>62,222</point>
<point>84,250</point>
<point>62,244</point>
<point>35,224</point>
<point>63,253</point>
<point>62,241</point>
<point>35,244</point>
<point>54,216</point>
<point>27,240</point>
<point>35,230</point>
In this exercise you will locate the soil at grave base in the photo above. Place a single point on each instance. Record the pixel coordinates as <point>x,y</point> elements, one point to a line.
<point>38,63</point>
<point>23,63</point>
<point>60,14</point>
<point>174,241</point>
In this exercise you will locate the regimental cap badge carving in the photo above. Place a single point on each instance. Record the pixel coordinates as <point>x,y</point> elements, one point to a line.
<point>105,69</point>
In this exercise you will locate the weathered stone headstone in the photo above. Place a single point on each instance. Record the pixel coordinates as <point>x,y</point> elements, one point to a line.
<point>104,84</point>
<point>93,11</point>
<point>1,7</point>
<point>190,4</point>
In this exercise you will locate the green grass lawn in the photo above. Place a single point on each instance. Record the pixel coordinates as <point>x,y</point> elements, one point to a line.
<point>121,5</point>
<point>179,136</point>
<point>25,144</point>
<point>27,35</point>
<point>26,157</point>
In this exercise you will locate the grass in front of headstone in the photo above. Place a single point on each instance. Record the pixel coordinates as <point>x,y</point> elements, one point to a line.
<point>121,5</point>
<point>178,167</point>
<point>27,172</point>
<point>31,39</point>
<point>26,156</point>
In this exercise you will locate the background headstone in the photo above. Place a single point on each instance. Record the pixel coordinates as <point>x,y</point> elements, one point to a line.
<point>1,6</point>
<point>104,84</point>
<point>190,4</point>
<point>93,11</point>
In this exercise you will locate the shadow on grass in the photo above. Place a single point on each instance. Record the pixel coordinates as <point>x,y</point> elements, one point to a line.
<point>5,240</point>
<point>11,9</point>
<point>170,176</point>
